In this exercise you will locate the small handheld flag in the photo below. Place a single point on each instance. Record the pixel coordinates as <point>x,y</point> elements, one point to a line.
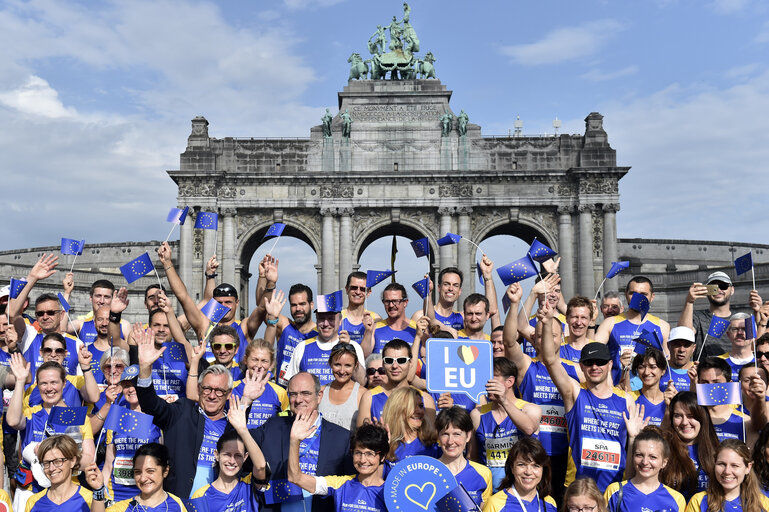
<point>647,339</point>
<point>750,327</point>
<point>178,215</point>
<point>275,230</point>
<point>330,303</point>
<point>518,270</point>
<point>70,246</point>
<point>214,311</point>
<point>374,277</point>
<point>421,247</point>
<point>718,326</point>
<point>422,287</point>
<point>506,302</point>
<point>137,268</point>
<point>640,303</point>
<point>449,239</point>
<point>64,304</point>
<point>480,273</point>
<point>457,500</point>
<point>16,286</point>
<point>207,220</point>
<point>616,268</point>
<point>67,416</point>
<point>743,263</point>
<point>126,421</point>
<point>721,393</point>
<point>539,252</point>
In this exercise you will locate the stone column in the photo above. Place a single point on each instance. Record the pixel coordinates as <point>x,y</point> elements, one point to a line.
<point>464,252</point>
<point>345,244</point>
<point>209,248</point>
<point>609,242</point>
<point>228,258</point>
<point>185,254</point>
<point>566,251</point>
<point>328,274</point>
<point>446,259</point>
<point>585,278</point>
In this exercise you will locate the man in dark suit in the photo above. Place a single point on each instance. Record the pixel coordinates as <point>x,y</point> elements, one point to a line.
<point>327,453</point>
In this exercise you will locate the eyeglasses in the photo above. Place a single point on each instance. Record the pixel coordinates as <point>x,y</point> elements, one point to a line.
<point>392,302</point>
<point>357,288</point>
<point>399,360</point>
<point>595,362</point>
<point>49,350</point>
<point>49,312</point>
<point>586,508</point>
<point>303,394</point>
<point>57,463</point>
<point>114,367</point>
<point>364,455</point>
<point>381,370</point>
<point>760,354</point>
<point>207,390</point>
<point>736,329</point>
<point>224,346</point>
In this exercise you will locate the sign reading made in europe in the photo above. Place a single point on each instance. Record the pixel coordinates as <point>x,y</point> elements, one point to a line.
<point>416,484</point>
<point>459,366</point>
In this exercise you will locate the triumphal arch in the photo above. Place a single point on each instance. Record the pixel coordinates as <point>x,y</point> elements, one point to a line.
<point>398,159</point>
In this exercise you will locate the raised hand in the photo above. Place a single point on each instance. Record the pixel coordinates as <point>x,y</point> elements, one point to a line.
<point>514,293</point>
<point>148,352</point>
<point>635,422</point>
<point>274,305</point>
<point>445,401</point>
<point>164,253</point>
<point>11,339</point>
<point>20,367</point>
<point>423,326</point>
<point>304,425</point>
<point>254,383</point>
<point>271,269</point>
<point>368,322</point>
<point>163,303</point>
<point>495,390</point>
<point>119,300</point>
<point>94,476</point>
<point>68,283</point>
<point>670,392</point>
<point>84,357</point>
<point>212,264</point>
<point>545,312</point>
<point>112,392</point>
<point>344,337</point>
<point>237,414</point>
<point>696,291</point>
<point>551,265</point>
<point>44,268</point>
<point>486,267</point>
<point>197,354</point>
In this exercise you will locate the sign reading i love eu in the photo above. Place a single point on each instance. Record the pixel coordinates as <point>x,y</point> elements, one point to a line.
<point>417,483</point>
<point>459,366</point>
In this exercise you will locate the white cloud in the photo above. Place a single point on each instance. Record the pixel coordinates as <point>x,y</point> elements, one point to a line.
<point>694,155</point>
<point>728,6</point>
<point>36,97</point>
<point>565,44</point>
<point>595,75</point>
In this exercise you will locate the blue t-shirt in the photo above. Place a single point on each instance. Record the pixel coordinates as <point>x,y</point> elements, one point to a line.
<point>495,440</point>
<point>416,447</point>
<point>384,333</point>
<point>655,412</point>
<point>633,500</point>
<point>78,502</point>
<point>242,498</point>
<point>352,496</point>
<point>505,501</point>
<point>290,337</point>
<point>213,430</point>
<point>454,320</point>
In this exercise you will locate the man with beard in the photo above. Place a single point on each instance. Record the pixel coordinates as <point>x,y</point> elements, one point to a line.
<point>699,321</point>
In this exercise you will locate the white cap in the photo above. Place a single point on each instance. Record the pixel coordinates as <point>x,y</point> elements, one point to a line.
<point>681,333</point>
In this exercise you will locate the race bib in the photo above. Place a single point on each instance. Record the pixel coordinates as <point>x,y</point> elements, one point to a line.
<point>497,450</point>
<point>123,471</point>
<point>283,369</point>
<point>553,419</point>
<point>601,454</point>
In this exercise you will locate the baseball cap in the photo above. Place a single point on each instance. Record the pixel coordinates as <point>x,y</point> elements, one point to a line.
<point>5,291</point>
<point>130,373</point>
<point>681,333</point>
<point>719,276</point>
<point>225,290</point>
<point>595,350</point>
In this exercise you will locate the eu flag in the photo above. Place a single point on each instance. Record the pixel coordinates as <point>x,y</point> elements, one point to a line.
<point>374,277</point>
<point>616,268</point>
<point>518,270</point>
<point>421,247</point>
<point>67,416</point>
<point>457,500</point>
<point>126,421</point>
<point>719,394</point>
<point>281,491</point>
<point>178,215</point>
<point>718,326</point>
<point>207,220</point>
<point>422,287</point>
<point>744,263</point>
<point>214,311</point>
<point>640,303</point>
<point>647,339</point>
<point>70,246</point>
<point>137,268</point>
<point>275,230</point>
<point>16,286</point>
<point>750,327</point>
<point>330,303</point>
<point>449,239</point>
<point>540,252</point>
<point>480,273</point>
<point>64,304</point>
<point>196,504</point>
<point>506,302</point>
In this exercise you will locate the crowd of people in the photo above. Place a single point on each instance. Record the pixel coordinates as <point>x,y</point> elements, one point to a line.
<point>582,414</point>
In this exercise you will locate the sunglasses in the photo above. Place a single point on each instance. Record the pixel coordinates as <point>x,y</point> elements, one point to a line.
<point>48,350</point>
<point>760,354</point>
<point>49,312</point>
<point>348,347</point>
<point>353,288</point>
<point>380,371</point>
<point>721,285</point>
<point>595,362</point>
<point>399,360</point>
<point>220,346</point>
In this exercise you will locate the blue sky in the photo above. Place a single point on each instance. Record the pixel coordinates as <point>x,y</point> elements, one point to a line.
<point>96,98</point>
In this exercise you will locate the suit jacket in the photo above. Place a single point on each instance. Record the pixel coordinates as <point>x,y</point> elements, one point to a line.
<point>183,424</point>
<point>333,454</point>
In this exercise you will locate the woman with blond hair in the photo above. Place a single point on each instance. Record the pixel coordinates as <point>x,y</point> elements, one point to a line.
<point>734,486</point>
<point>583,495</point>
<point>410,432</point>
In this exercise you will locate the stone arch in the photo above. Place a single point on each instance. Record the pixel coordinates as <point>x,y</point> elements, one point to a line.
<point>524,228</point>
<point>386,227</point>
<point>252,239</point>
